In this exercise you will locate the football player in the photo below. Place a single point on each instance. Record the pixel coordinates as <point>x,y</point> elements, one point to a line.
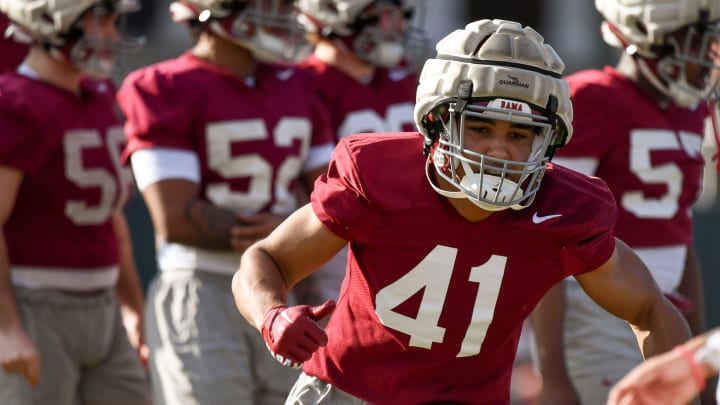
<point>362,51</point>
<point>363,65</point>
<point>449,252</point>
<point>639,126</point>
<point>65,255</point>
<point>219,139</point>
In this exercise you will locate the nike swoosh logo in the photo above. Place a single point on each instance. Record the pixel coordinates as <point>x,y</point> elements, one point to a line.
<point>285,74</point>
<point>537,219</point>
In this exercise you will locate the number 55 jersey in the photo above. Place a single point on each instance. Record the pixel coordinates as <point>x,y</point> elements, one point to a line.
<point>67,146</point>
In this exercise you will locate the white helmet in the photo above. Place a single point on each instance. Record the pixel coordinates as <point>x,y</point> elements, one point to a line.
<point>268,28</point>
<point>348,20</point>
<point>644,27</point>
<point>53,24</point>
<point>499,70</point>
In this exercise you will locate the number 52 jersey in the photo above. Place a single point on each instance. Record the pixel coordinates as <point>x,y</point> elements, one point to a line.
<point>252,140</point>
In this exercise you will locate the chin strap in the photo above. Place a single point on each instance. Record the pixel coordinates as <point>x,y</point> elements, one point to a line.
<point>558,131</point>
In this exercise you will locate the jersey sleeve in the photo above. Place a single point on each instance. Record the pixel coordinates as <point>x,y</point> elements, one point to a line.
<point>156,110</point>
<point>588,254</point>
<point>338,198</point>
<point>590,240</point>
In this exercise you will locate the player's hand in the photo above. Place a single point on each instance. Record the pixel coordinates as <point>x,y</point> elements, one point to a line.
<point>292,335</point>
<point>665,379</point>
<point>253,228</point>
<point>19,355</point>
<point>133,322</point>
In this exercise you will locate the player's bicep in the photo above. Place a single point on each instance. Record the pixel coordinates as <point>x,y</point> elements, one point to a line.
<point>301,244</point>
<point>623,285</point>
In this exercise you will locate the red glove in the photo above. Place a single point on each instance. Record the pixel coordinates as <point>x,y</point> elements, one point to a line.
<point>292,335</point>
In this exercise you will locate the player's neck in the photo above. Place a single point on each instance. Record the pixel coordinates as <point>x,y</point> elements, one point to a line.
<point>54,70</point>
<point>226,54</point>
<point>628,67</point>
<point>468,210</point>
<point>337,55</point>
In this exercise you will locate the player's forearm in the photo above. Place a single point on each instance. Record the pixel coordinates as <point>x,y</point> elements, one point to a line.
<point>691,288</point>
<point>128,288</point>
<point>129,291</point>
<point>665,328</point>
<point>202,225</point>
<point>258,286</point>
<point>547,322</point>
<point>9,316</point>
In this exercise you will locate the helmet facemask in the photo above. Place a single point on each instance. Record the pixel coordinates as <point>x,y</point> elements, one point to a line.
<point>491,183</point>
<point>689,69</point>
<point>416,42</point>
<point>95,52</point>
<point>673,42</point>
<point>377,44</point>
<point>269,28</point>
<point>386,36</point>
<point>87,33</point>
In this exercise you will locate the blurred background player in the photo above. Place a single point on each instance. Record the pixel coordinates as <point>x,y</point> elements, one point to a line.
<point>363,69</point>
<point>65,254</point>
<point>219,139</point>
<point>639,126</point>
<point>364,53</point>
<point>455,234</point>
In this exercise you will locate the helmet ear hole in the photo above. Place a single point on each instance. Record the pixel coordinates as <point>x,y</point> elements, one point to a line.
<point>434,126</point>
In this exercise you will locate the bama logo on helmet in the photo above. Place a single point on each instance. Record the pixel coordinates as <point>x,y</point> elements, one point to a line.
<point>505,104</point>
<point>514,81</point>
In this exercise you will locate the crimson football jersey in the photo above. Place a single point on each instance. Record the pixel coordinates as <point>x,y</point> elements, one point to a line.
<point>432,305</point>
<point>650,157</point>
<point>385,104</point>
<point>68,147</point>
<point>252,141</point>
<point>12,53</point>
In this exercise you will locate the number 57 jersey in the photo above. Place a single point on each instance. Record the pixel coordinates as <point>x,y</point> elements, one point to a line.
<point>432,305</point>
<point>650,156</point>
